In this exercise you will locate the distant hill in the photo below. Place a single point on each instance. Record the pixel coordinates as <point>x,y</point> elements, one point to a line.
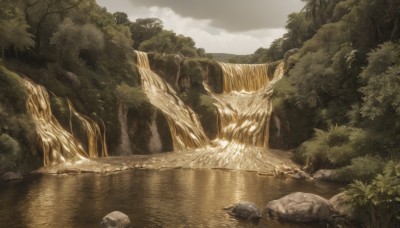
<point>225,57</point>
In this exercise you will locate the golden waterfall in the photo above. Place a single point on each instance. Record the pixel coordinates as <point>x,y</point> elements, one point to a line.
<point>244,108</point>
<point>185,127</point>
<point>93,133</point>
<point>57,144</point>
<point>244,77</point>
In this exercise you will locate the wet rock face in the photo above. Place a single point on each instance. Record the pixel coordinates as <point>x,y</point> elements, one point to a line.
<point>245,210</point>
<point>300,207</point>
<point>115,219</point>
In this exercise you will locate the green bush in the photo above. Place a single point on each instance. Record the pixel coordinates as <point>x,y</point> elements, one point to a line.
<point>333,148</point>
<point>133,97</point>
<point>10,153</point>
<point>12,92</point>
<point>377,204</point>
<point>362,168</point>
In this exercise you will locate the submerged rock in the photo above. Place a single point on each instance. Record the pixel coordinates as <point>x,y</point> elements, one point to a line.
<point>9,176</point>
<point>300,207</point>
<point>246,210</point>
<point>115,219</point>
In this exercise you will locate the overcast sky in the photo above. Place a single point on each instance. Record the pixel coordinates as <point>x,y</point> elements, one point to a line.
<point>218,26</point>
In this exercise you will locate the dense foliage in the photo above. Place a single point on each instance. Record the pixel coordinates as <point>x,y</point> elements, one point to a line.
<point>81,52</point>
<point>343,82</point>
<point>338,104</point>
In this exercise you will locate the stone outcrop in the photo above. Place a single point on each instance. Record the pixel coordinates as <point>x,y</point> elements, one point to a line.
<point>326,175</point>
<point>115,219</point>
<point>339,205</point>
<point>245,210</point>
<point>300,207</point>
<point>301,175</point>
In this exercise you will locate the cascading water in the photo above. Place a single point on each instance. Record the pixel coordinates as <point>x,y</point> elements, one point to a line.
<point>244,110</point>
<point>58,145</point>
<point>93,133</point>
<point>186,130</point>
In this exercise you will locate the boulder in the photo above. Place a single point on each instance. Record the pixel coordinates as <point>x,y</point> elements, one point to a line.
<point>300,207</point>
<point>339,205</point>
<point>9,176</point>
<point>115,219</point>
<point>326,175</point>
<point>246,210</point>
<point>301,175</point>
<point>71,79</point>
<point>289,53</point>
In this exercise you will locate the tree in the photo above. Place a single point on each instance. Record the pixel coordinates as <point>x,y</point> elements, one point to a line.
<point>121,18</point>
<point>37,13</point>
<point>168,42</point>
<point>13,29</point>
<point>71,39</point>
<point>144,29</point>
<point>380,96</point>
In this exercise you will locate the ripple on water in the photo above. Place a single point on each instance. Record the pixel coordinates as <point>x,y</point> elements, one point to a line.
<point>151,198</point>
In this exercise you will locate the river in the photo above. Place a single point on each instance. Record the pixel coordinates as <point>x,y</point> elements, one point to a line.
<point>151,198</point>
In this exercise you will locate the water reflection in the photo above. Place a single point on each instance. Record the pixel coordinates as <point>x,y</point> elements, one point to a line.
<point>151,198</point>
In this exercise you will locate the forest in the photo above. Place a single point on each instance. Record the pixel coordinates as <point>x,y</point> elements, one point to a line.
<point>338,103</point>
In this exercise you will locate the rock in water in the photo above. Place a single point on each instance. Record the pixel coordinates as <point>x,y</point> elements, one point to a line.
<point>9,176</point>
<point>301,175</point>
<point>246,210</point>
<point>326,175</point>
<point>300,207</point>
<point>115,219</point>
<point>340,206</point>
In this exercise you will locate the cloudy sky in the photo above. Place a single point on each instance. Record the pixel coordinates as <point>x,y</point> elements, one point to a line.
<point>218,26</point>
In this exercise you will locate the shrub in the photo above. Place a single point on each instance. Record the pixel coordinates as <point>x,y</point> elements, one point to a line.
<point>12,92</point>
<point>333,148</point>
<point>10,153</point>
<point>362,168</point>
<point>131,96</point>
<point>377,204</point>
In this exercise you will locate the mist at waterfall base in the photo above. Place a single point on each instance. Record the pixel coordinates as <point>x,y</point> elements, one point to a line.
<point>151,198</point>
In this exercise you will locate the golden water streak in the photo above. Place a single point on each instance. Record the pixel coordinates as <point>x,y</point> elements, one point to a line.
<point>93,133</point>
<point>244,77</point>
<point>57,144</point>
<point>185,127</point>
<point>244,116</point>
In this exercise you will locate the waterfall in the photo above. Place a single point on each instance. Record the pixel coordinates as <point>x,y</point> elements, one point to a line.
<point>93,133</point>
<point>244,108</point>
<point>57,144</point>
<point>244,77</point>
<point>184,125</point>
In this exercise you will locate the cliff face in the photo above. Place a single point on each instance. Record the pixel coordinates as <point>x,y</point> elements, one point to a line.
<point>128,130</point>
<point>129,122</point>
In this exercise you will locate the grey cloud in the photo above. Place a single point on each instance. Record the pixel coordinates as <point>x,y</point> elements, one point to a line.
<point>231,15</point>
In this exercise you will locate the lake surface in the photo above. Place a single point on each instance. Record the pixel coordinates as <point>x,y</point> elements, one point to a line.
<point>151,198</point>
